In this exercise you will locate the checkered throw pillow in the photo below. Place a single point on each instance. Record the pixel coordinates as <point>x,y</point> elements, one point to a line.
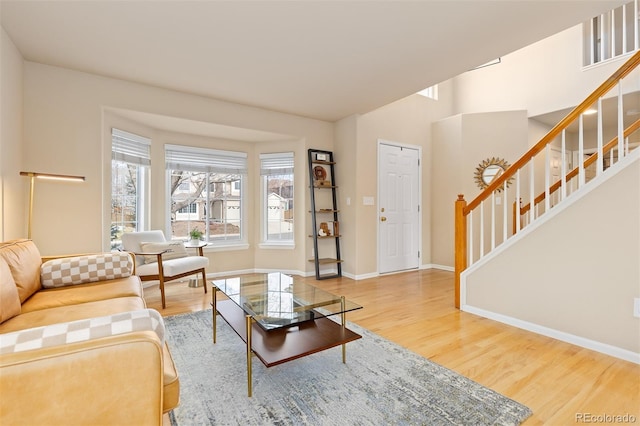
<point>85,269</point>
<point>82,330</point>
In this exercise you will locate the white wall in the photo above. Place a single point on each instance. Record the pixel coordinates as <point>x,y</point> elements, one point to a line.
<point>13,187</point>
<point>577,274</point>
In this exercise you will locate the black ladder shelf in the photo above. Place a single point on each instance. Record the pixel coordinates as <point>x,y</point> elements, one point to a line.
<point>322,185</point>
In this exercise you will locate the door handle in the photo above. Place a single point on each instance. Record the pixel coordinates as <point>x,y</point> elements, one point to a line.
<point>383,219</point>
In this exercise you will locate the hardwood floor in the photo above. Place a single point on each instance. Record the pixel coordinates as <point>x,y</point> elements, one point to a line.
<point>558,381</point>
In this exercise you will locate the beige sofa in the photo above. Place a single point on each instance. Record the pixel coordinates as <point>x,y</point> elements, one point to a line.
<point>77,344</point>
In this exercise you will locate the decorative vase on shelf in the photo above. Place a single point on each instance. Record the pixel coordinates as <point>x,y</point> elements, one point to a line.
<point>194,242</point>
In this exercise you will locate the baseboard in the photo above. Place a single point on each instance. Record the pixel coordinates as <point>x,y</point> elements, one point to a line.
<point>436,266</point>
<point>604,348</point>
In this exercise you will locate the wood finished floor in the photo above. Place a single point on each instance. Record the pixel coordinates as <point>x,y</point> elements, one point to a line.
<point>558,381</point>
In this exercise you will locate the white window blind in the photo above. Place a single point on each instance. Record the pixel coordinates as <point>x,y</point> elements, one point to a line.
<point>276,164</point>
<point>205,160</point>
<point>131,148</point>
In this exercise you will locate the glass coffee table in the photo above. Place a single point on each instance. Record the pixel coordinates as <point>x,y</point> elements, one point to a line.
<point>281,318</point>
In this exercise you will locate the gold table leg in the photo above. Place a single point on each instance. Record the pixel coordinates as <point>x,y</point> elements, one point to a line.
<point>249,381</point>
<point>344,324</point>
<point>214,301</point>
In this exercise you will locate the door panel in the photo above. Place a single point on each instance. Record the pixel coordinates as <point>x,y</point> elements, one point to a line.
<point>398,215</point>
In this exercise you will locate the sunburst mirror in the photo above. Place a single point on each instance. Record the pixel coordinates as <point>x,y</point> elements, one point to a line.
<point>489,170</point>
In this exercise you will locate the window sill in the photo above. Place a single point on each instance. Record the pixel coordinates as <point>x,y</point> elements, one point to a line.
<point>277,246</point>
<point>226,247</point>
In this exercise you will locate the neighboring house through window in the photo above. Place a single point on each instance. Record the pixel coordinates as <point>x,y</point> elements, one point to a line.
<point>277,197</point>
<point>205,192</point>
<point>130,161</point>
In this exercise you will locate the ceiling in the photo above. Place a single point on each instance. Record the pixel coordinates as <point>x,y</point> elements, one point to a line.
<point>319,59</point>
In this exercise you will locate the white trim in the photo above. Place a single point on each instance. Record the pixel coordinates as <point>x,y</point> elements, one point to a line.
<point>226,247</point>
<point>439,267</point>
<point>604,348</point>
<point>275,246</point>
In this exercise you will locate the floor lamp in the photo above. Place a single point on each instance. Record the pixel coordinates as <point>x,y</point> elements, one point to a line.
<point>32,177</point>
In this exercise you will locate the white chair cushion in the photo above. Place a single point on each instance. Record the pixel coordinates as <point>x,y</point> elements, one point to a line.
<point>131,241</point>
<point>174,266</point>
<point>172,250</point>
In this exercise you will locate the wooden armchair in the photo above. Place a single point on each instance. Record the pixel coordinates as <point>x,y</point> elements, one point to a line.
<point>162,260</point>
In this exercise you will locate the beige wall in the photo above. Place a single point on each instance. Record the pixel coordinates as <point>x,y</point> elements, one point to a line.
<point>577,273</point>
<point>13,187</point>
<point>406,122</point>
<point>66,115</point>
<point>460,144</point>
<point>543,77</point>
<point>347,169</point>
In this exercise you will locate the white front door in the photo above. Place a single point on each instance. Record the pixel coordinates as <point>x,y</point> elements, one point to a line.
<point>398,207</point>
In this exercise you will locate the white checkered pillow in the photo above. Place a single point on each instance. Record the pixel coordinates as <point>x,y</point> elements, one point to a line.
<point>85,269</point>
<point>82,330</point>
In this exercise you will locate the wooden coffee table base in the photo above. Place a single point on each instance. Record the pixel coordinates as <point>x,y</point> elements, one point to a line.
<point>281,345</point>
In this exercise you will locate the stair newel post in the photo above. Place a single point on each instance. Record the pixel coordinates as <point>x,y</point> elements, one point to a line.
<point>460,244</point>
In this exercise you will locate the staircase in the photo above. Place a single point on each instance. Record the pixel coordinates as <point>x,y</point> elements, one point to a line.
<point>543,222</point>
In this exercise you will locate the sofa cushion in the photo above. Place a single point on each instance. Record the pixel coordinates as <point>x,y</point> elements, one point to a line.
<point>172,250</point>
<point>9,299</point>
<point>82,330</point>
<point>74,295</point>
<point>23,258</point>
<point>85,269</point>
<point>71,313</point>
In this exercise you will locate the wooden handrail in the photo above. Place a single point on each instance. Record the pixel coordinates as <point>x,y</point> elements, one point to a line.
<point>623,71</point>
<point>589,161</point>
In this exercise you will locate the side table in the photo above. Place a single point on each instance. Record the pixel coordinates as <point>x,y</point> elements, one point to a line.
<point>195,282</point>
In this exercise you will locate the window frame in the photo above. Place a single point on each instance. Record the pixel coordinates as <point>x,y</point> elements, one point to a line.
<point>275,164</point>
<point>208,161</point>
<point>128,149</point>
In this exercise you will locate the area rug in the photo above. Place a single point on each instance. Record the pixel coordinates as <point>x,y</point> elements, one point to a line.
<point>381,384</point>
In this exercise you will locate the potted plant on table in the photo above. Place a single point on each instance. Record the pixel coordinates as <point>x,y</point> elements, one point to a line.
<point>196,236</point>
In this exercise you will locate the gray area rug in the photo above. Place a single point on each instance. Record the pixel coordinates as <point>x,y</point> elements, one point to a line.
<point>381,384</point>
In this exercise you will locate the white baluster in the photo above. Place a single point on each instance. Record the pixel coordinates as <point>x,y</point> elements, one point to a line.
<point>493,220</point>
<point>481,229</point>
<point>547,177</point>
<point>470,238</point>
<point>518,224</point>
<point>532,216</point>
<point>600,159</point>
<point>581,176</point>
<point>602,38</point>
<point>505,213</point>
<point>612,33</point>
<point>621,152</point>
<point>623,34</point>
<point>636,39</point>
<point>563,168</point>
